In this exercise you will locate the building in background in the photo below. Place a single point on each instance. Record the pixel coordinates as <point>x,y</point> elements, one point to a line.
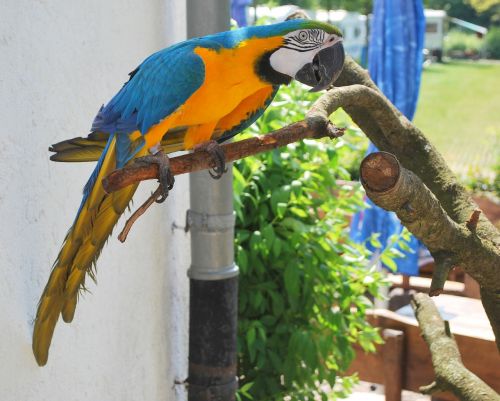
<point>354,27</point>
<point>435,28</point>
<point>60,61</point>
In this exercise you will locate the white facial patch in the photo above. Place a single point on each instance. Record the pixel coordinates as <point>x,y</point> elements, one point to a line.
<point>299,49</point>
<point>288,61</point>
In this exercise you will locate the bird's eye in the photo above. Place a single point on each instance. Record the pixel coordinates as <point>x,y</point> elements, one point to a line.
<point>302,35</point>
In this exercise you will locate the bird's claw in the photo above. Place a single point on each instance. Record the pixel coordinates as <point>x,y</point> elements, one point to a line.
<point>218,156</point>
<point>166,177</point>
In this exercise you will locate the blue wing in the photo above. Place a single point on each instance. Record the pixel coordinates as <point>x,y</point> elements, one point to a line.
<point>158,87</point>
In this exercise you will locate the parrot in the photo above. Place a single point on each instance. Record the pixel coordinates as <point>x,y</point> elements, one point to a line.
<point>192,95</point>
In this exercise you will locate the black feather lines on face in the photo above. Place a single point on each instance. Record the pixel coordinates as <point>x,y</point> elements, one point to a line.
<point>305,40</point>
<point>264,70</point>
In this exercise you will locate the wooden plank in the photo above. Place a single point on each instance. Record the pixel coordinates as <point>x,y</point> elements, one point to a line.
<point>368,366</point>
<point>479,353</point>
<point>392,356</point>
<point>422,284</point>
<point>466,316</point>
<point>472,289</point>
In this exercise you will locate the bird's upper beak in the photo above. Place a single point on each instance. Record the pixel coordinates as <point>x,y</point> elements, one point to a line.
<point>325,68</point>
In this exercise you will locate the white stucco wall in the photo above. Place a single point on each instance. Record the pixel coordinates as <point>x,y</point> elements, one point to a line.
<point>59,61</point>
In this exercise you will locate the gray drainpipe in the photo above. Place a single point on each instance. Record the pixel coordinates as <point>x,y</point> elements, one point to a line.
<point>213,273</point>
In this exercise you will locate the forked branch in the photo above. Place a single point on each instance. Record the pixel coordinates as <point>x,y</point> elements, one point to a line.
<point>394,188</point>
<point>451,374</point>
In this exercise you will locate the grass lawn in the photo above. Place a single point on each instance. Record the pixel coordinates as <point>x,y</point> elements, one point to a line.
<point>459,111</point>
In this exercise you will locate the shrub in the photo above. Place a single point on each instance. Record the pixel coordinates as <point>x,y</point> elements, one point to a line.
<point>492,43</point>
<point>478,183</point>
<point>458,43</point>
<point>303,283</point>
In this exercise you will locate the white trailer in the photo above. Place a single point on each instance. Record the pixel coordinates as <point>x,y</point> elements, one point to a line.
<point>353,26</point>
<point>435,21</point>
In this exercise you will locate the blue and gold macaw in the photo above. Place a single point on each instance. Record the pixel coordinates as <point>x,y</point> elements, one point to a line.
<point>192,95</point>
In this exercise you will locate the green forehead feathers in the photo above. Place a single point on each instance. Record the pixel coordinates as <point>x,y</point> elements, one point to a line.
<point>310,24</point>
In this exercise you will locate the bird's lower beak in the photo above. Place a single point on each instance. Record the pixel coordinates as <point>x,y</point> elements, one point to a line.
<point>324,69</point>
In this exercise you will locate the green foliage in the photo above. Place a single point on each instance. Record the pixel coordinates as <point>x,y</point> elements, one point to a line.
<point>483,5</point>
<point>362,6</point>
<point>303,284</point>
<point>464,10</point>
<point>305,4</point>
<point>461,42</point>
<point>492,43</point>
<point>481,12</point>
<point>481,183</point>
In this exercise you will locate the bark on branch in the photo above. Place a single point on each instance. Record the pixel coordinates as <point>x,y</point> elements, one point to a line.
<point>311,128</point>
<point>390,131</point>
<point>451,374</point>
<point>397,189</point>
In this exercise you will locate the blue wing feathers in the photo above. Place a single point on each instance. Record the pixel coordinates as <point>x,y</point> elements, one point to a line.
<point>161,84</point>
<point>166,79</point>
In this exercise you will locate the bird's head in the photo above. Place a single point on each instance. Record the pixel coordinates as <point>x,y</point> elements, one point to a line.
<point>311,52</point>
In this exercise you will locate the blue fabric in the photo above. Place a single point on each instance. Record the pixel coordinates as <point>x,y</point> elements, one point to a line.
<point>395,65</point>
<point>395,52</point>
<point>239,11</point>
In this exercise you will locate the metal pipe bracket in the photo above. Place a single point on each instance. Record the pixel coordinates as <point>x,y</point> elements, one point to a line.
<point>209,222</point>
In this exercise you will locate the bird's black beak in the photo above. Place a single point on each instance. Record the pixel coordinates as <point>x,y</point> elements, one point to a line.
<point>324,69</point>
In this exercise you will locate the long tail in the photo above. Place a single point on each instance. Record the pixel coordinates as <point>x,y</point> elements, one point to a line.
<point>95,220</point>
<point>90,148</point>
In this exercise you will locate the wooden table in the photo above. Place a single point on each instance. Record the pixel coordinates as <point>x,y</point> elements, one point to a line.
<point>404,361</point>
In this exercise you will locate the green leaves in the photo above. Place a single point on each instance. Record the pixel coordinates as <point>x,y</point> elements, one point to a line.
<point>303,283</point>
<point>292,281</point>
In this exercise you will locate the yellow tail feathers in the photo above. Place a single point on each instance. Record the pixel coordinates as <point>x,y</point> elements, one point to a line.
<point>90,148</point>
<point>85,239</point>
<point>83,243</point>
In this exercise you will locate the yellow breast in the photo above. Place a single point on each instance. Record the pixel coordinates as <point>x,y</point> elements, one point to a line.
<point>229,78</point>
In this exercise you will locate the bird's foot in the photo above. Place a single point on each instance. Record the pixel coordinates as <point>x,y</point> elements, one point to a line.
<point>166,177</point>
<point>215,151</point>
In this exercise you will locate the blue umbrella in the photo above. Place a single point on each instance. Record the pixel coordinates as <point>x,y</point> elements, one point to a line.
<point>238,11</point>
<point>395,65</point>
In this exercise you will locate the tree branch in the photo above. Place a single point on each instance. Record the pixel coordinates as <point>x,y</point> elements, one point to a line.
<point>451,374</point>
<point>397,189</point>
<point>196,161</point>
<point>392,132</point>
<point>122,237</point>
